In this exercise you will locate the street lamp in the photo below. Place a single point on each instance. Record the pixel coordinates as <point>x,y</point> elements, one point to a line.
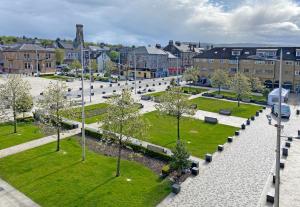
<point>82,105</point>
<point>278,140</point>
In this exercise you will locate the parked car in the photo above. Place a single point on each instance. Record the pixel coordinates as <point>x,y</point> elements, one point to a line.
<point>285,110</point>
<point>151,90</point>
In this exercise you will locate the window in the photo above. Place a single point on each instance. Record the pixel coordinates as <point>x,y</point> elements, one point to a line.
<point>289,62</point>
<point>297,63</point>
<point>297,53</point>
<point>297,72</point>
<point>246,70</point>
<point>270,62</point>
<point>233,61</point>
<point>232,70</point>
<point>258,71</point>
<point>247,53</point>
<point>48,55</point>
<point>236,52</point>
<point>27,65</point>
<point>26,56</point>
<point>222,61</point>
<point>48,64</point>
<point>259,62</point>
<point>210,60</point>
<point>268,71</point>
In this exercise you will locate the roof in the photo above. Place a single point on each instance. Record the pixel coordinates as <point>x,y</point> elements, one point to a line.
<point>289,53</point>
<point>65,45</point>
<point>155,51</point>
<point>97,48</point>
<point>275,92</point>
<point>28,47</point>
<point>170,55</point>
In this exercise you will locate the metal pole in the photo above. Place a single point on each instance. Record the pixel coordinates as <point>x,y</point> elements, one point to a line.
<point>119,65</point>
<point>177,70</point>
<point>90,77</point>
<point>134,71</point>
<point>82,104</point>
<point>37,62</point>
<point>277,175</point>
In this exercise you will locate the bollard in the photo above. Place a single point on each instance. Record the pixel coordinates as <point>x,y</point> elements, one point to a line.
<point>230,139</point>
<point>208,157</point>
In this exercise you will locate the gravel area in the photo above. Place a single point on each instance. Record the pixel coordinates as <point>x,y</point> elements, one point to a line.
<point>237,176</point>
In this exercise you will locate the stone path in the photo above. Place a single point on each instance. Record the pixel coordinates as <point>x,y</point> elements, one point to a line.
<point>237,176</point>
<point>10,197</point>
<point>35,143</point>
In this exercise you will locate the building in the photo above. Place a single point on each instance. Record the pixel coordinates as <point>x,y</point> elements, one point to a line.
<point>28,59</point>
<point>259,62</point>
<point>184,51</point>
<point>72,48</point>
<point>149,61</point>
<point>174,65</point>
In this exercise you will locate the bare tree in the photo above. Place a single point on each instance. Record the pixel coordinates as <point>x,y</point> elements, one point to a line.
<point>174,103</point>
<point>53,107</point>
<point>123,120</point>
<point>11,94</point>
<point>241,86</point>
<point>219,79</point>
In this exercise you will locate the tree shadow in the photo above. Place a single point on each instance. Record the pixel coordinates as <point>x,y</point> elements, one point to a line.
<point>49,174</point>
<point>92,190</point>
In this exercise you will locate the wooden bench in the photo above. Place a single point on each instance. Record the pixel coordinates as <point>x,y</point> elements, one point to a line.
<point>210,120</point>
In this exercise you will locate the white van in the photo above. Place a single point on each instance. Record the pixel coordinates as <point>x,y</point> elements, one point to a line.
<point>285,110</point>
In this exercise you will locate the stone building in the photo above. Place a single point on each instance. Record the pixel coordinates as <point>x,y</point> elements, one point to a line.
<point>150,62</point>
<point>28,59</point>
<point>184,51</point>
<point>259,62</point>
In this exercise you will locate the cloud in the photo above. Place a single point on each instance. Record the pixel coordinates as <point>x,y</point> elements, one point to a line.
<point>152,21</point>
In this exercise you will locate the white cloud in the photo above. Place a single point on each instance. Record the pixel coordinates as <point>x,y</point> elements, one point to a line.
<point>151,21</point>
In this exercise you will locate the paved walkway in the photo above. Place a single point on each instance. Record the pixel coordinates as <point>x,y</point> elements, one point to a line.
<point>237,176</point>
<point>10,197</point>
<point>35,143</point>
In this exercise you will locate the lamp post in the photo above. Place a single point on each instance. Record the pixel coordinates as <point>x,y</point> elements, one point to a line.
<point>134,71</point>
<point>277,178</point>
<point>82,105</point>
<point>177,69</point>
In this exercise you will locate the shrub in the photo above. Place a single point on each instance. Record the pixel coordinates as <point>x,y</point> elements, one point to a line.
<point>166,170</point>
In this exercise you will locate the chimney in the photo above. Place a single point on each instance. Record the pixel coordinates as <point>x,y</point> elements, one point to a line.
<point>170,42</point>
<point>158,46</point>
<point>79,35</point>
<point>178,43</point>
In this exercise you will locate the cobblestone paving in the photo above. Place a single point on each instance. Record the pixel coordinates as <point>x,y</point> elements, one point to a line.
<point>237,176</point>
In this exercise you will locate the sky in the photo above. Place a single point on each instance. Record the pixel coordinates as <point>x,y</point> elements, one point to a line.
<point>141,22</point>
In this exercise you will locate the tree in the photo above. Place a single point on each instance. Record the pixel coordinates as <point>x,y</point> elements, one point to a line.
<point>241,86</point>
<point>180,158</point>
<point>219,79</point>
<point>59,56</point>
<point>256,84</point>
<point>110,68</point>
<point>94,65</point>
<point>122,120</point>
<point>75,65</point>
<point>191,74</point>
<point>113,55</point>
<point>53,106</point>
<point>11,94</point>
<point>175,103</point>
<point>24,104</point>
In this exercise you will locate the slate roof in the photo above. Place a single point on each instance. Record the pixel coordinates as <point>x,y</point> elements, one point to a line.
<point>28,47</point>
<point>155,51</point>
<point>289,53</point>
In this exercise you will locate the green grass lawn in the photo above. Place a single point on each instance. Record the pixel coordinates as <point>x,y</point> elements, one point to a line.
<point>233,95</point>
<point>57,77</point>
<point>62,179</point>
<point>93,113</point>
<point>194,90</point>
<point>201,137</point>
<point>26,131</point>
<point>215,105</point>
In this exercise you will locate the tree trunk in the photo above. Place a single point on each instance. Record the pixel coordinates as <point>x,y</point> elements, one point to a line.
<point>238,100</point>
<point>119,159</point>
<point>219,90</point>
<point>15,115</point>
<point>178,128</point>
<point>58,139</point>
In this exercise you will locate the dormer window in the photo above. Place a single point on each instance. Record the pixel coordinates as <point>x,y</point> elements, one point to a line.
<point>236,53</point>
<point>247,53</point>
<point>298,53</point>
